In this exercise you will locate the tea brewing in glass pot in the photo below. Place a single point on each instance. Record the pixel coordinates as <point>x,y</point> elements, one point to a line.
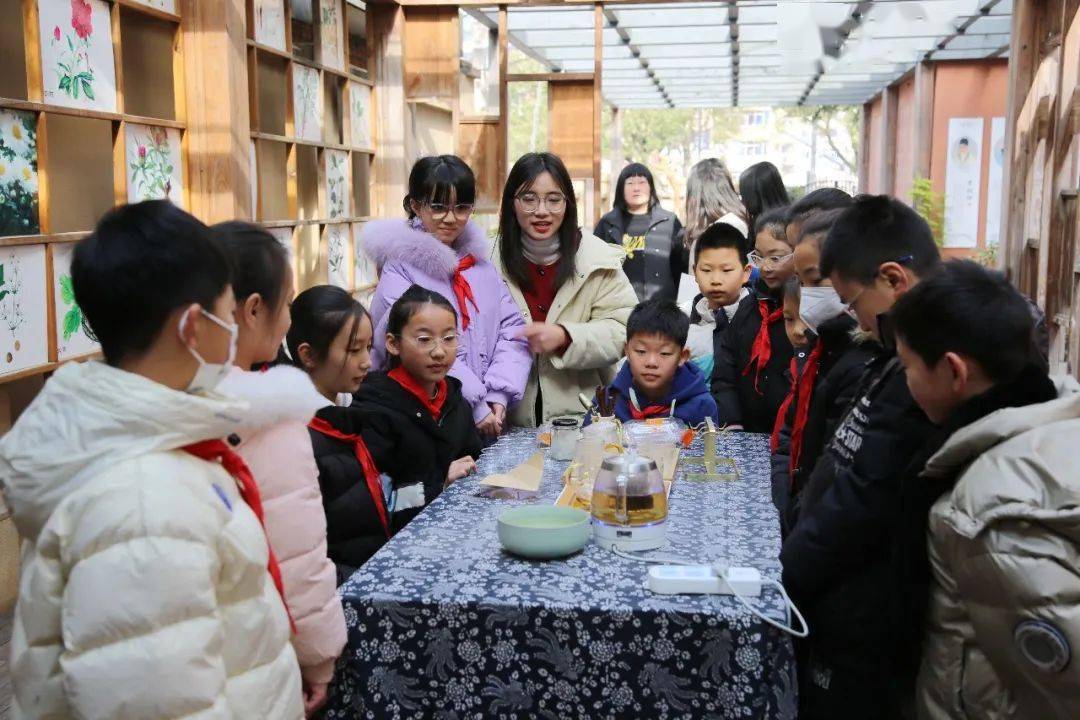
<point>629,504</point>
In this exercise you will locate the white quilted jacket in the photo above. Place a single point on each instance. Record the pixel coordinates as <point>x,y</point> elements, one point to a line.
<point>144,589</point>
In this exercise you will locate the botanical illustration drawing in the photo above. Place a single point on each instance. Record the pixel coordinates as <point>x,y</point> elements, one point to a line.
<point>18,174</point>
<point>77,53</point>
<point>153,163</point>
<point>330,20</point>
<point>306,105</point>
<point>337,187</point>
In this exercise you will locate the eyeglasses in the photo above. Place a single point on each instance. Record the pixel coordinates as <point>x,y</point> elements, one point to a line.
<point>772,261</point>
<point>530,202</point>
<point>439,211</point>
<point>427,343</point>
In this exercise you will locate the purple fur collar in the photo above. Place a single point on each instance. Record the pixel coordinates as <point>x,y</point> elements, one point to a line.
<point>387,241</point>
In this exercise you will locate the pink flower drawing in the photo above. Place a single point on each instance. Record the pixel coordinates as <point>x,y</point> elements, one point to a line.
<point>56,33</point>
<point>81,18</point>
<point>142,152</point>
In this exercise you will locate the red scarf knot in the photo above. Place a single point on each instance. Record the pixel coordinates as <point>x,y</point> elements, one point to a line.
<point>367,465</point>
<point>218,450</point>
<point>462,289</point>
<point>781,415</point>
<point>802,404</point>
<point>761,350</point>
<point>649,411</point>
<point>435,404</point>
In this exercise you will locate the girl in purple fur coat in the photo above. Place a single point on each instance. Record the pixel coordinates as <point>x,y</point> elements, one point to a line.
<point>439,249</point>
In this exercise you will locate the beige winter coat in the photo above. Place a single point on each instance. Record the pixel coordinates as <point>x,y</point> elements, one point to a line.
<point>283,464</point>
<point>593,306</point>
<point>144,589</point>
<point>1004,550</point>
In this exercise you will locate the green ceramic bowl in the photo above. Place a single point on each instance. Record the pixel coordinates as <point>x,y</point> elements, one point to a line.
<point>543,532</point>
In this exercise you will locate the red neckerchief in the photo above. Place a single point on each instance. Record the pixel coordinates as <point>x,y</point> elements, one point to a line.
<point>462,289</point>
<point>761,350</point>
<point>435,404</point>
<point>211,450</point>
<point>802,405</point>
<point>781,415</point>
<point>367,465</point>
<point>649,411</point>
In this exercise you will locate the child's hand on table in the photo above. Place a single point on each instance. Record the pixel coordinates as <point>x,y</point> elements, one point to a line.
<point>459,469</point>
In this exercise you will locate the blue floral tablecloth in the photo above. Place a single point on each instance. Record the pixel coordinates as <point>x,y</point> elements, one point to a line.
<point>443,624</point>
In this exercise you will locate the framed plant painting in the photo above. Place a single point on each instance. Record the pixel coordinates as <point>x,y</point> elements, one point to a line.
<point>77,54</point>
<point>337,253</point>
<point>365,274</point>
<point>359,115</point>
<point>73,334</point>
<point>331,34</point>
<point>307,103</point>
<point>166,5</point>
<point>23,324</point>
<point>337,183</point>
<point>18,173</point>
<point>270,23</point>
<point>154,170</point>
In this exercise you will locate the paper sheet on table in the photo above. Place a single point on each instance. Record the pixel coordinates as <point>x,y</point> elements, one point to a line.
<point>525,476</point>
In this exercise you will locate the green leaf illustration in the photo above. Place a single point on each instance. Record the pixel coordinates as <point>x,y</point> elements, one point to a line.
<point>67,290</point>
<point>87,89</point>
<point>72,322</point>
<point>65,83</point>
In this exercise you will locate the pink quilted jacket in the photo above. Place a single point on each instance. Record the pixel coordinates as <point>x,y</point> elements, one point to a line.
<point>283,464</point>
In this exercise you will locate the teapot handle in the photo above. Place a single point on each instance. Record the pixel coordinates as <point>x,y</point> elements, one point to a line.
<point>620,499</point>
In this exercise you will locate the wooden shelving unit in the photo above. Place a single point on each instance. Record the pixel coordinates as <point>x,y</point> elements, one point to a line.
<point>312,142</point>
<point>92,114</point>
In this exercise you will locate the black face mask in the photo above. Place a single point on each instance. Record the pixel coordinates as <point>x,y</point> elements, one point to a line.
<point>887,332</point>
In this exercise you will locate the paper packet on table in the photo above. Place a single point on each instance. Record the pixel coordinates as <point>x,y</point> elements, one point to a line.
<point>519,482</point>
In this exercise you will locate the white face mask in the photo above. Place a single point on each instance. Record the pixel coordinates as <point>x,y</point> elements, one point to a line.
<point>818,305</point>
<point>209,375</point>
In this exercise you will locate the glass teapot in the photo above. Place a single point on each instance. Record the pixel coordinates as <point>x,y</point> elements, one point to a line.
<point>629,503</point>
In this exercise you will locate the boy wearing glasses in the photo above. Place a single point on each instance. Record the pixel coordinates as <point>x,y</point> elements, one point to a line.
<point>842,560</point>
<point>748,378</point>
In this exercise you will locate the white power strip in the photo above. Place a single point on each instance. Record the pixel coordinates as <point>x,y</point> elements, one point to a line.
<point>703,579</point>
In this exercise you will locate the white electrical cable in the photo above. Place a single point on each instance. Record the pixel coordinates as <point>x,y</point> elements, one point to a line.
<point>788,606</point>
<point>720,568</point>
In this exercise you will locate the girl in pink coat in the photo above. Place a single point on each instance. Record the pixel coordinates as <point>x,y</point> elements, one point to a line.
<point>438,248</point>
<point>280,454</point>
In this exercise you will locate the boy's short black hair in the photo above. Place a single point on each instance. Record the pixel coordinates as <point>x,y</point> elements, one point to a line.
<point>141,263</point>
<point>975,312</point>
<point>774,222</point>
<point>817,201</point>
<point>659,316</point>
<point>875,230</point>
<point>718,236</point>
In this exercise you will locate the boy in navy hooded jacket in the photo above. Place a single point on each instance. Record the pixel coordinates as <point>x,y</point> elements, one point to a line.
<point>657,380</point>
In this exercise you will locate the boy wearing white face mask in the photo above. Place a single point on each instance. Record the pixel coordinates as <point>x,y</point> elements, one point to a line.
<point>145,553</point>
<point>826,381</point>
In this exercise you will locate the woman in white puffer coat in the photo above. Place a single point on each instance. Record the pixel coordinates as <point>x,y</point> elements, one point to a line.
<point>145,590</point>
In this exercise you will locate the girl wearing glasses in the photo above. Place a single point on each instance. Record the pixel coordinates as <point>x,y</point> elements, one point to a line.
<point>650,236</point>
<point>414,419</point>
<point>437,247</point>
<point>570,286</point>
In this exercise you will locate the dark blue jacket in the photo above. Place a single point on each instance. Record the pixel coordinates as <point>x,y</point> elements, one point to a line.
<point>693,403</point>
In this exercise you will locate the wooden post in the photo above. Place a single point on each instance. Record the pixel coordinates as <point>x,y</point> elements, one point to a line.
<point>1022,63</point>
<point>864,147</point>
<point>616,157</point>
<point>504,95</point>
<point>218,124</point>
<point>889,99</point>
<point>385,29</point>
<point>923,127</point>
<point>598,62</point>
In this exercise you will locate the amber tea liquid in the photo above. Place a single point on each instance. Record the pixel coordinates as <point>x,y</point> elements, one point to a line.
<point>640,509</point>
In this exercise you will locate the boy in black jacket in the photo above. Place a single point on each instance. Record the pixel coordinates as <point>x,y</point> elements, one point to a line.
<point>748,379</point>
<point>837,559</point>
